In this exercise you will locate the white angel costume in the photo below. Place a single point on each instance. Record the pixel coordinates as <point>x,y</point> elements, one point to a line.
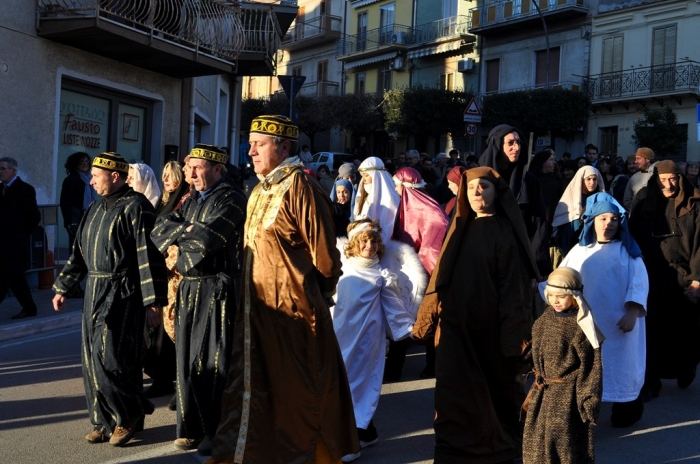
<point>374,299</point>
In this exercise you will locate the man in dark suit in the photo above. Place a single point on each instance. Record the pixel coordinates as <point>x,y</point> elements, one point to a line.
<point>20,215</point>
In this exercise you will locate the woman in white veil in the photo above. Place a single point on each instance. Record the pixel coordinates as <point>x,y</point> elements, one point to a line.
<point>143,180</point>
<point>376,196</point>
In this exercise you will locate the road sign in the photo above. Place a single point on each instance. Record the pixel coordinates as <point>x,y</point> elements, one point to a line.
<point>472,113</point>
<point>291,84</point>
<point>471,129</point>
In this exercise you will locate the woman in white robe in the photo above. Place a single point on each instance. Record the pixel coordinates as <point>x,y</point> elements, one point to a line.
<point>616,285</point>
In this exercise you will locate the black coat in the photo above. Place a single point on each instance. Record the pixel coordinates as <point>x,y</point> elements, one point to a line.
<point>72,194</point>
<point>20,215</point>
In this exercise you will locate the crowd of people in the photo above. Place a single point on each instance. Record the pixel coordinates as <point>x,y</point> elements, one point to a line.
<point>539,288</point>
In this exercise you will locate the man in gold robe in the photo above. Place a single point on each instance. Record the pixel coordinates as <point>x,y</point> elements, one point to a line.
<point>287,398</point>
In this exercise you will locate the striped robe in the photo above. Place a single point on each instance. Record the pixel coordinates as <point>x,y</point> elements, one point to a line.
<point>125,274</point>
<point>209,260</point>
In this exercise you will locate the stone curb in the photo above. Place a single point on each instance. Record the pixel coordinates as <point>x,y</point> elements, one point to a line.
<point>37,326</point>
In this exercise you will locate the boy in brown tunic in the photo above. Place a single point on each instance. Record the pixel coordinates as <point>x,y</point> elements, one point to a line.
<point>564,401</point>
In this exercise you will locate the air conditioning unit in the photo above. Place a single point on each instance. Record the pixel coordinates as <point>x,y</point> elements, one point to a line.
<point>466,65</point>
<point>399,38</point>
<point>397,64</point>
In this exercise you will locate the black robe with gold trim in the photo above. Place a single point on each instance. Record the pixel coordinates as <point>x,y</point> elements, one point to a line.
<point>125,274</point>
<point>209,260</point>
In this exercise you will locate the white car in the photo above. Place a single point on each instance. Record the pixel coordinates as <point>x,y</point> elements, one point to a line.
<point>331,159</point>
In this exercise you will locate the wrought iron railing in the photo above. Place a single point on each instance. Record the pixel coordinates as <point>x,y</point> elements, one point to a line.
<point>455,26</point>
<point>501,11</point>
<point>435,31</point>
<point>221,28</point>
<point>313,27</point>
<point>669,78</point>
<point>394,34</point>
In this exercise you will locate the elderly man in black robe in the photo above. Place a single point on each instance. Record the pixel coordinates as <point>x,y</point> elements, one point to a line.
<point>665,222</point>
<point>126,279</point>
<point>208,232</point>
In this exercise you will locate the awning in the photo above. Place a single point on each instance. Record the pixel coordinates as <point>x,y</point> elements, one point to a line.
<point>435,49</point>
<point>373,59</point>
<point>362,3</point>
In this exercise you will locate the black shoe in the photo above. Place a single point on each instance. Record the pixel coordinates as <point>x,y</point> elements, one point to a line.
<point>368,436</point>
<point>686,378</point>
<point>24,313</point>
<point>427,373</point>
<point>172,404</point>
<point>159,389</point>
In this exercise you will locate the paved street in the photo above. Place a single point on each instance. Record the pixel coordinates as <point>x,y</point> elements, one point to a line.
<point>43,416</point>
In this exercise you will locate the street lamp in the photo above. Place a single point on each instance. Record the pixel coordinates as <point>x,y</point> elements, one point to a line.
<point>546,38</point>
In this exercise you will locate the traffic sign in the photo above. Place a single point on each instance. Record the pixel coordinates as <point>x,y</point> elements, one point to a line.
<point>472,113</point>
<point>471,129</point>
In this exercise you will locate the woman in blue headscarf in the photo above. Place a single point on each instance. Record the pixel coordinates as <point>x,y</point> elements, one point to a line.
<point>342,196</point>
<point>616,285</point>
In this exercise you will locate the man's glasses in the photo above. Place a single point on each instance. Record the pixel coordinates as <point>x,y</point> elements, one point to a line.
<point>510,143</point>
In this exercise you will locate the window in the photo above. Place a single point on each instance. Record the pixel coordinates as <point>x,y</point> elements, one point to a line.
<point>493,71</point>
<point>383,80</point>
<point>361,31</point>
<point>449,8</point>
<point>447,81</point>
<point>541,66</point>
<point>611,80</point>
<point>608,140</point>
<point>360,83</point>
<point>386,23</point>
<point>663,73</point>
<point>322,71</point>
<point>324,7</point>
<point>300,23</point>
<point>296,71</point>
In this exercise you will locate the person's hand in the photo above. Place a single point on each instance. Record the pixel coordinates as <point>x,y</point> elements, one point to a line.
<point>693,292</point>
<point>59,302</point>
<point>629,320</point>
<point>153,316</point>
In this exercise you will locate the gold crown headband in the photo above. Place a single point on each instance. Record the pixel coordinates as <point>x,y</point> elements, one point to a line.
<point>112,165</point>
<point>278,126</point>
<point>208,155</point>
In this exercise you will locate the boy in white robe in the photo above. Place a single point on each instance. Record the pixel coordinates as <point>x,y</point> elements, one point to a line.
<point>616,285</point>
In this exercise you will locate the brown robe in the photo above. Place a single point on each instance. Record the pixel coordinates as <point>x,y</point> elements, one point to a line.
<point>561,414</point>
<point>287,389</point>
<point>475,306</point>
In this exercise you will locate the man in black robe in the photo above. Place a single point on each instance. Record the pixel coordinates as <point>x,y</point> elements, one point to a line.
<point>126,279</point>
<point>208,231</point>
<point>665,222</point>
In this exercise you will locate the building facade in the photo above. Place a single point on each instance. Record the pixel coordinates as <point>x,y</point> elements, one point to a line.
<point>148,81</point>
<point>643,55</point>
<point>515,52</point>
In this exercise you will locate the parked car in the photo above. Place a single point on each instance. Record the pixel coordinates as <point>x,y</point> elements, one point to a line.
<point>331,159</point>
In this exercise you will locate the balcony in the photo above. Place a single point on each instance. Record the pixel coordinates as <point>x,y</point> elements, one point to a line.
<point>313,31</point>
<point>180,39</point>
<point>658,81</point>
<point>440,36</point>
<point>501,16</point>
<point>373,42</point>
<point>559,85</point>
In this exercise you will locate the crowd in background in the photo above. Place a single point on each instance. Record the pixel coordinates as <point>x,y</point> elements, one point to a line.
<point>445,251</point>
